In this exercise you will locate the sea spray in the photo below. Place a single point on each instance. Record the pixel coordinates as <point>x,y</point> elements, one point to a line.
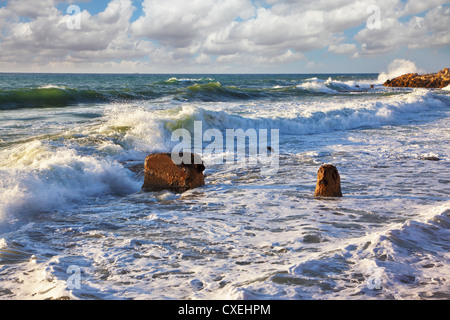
<point>41,178</point>
<point>154,127</point>
<point>397,68</point>
<point>72,204</point>
<point>251,147</point>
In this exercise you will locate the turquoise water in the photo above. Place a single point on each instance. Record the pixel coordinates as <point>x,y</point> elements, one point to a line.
<point>59,90</point>
<point>69,201</point>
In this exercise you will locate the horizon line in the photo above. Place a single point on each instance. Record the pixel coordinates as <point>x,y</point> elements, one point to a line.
<point>186,73</point>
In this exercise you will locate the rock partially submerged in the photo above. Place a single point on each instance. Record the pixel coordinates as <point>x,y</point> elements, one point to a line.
<point>161,173</point>
<point>328,182</point>
<point>414,80</point>
<point>432,158</point>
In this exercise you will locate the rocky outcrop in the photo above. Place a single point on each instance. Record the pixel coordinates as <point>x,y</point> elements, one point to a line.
<point>161,173</point>
<point>414,80</point>
<point>328,182</point>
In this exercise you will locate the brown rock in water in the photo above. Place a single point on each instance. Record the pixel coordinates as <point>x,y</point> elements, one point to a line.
<point>414,80</point>
<point>161,173</point>
<point>328,182</point>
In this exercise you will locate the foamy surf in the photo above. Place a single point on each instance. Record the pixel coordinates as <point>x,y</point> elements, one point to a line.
<point>130,133</point>
<point>37,178</point>
<point>316,86</point>
<point>388,264</point>
<point>75,224</point>
<point>147,127</point>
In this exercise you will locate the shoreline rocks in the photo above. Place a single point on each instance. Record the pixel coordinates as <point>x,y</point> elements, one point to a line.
<point>414,80</point>
<point>328,182</point>
<point>161,173</point>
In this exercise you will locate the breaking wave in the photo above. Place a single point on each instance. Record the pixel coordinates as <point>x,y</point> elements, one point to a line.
<point>40,178</point>
<point>56,96</point>
<point>184,89</point>
<point>397,68</point>
<point>403,262</point>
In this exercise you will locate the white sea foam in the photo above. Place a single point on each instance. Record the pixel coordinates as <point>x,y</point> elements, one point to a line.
<point>350,85</point>
<point>175,79</point>
<point>52,86</point>
<point>317,117</point>
<point>134,132</point>
<point>242,236</point>
<point>35,177</point>
<point>3,243</point>
<point>397,68</point>
<point>41,281</point>
<point>411,253</point>
<point>38,175</point>
<point>391,262</point>
<point>316,86</point>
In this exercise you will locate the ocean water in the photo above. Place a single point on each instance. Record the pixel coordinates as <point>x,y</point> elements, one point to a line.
<point>75,224</point>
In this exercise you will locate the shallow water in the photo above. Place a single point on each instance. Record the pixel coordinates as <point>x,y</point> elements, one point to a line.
<point>74,222</point>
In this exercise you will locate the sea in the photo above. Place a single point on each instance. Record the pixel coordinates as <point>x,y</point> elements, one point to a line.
<point>75,224</point>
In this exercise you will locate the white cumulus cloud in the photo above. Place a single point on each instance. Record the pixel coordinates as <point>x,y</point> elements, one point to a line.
<point>181,35</point>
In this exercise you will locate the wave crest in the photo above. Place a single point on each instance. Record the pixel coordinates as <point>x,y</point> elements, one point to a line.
<point>43,179</point>
<point>397,68</point>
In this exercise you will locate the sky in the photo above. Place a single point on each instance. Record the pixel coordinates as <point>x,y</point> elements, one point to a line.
<point>223,36</point>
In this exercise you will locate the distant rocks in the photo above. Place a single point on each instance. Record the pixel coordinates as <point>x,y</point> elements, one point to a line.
<point>328,182</point>
<point>161,173</point>
<point>414,80</point>
<point>432,158</point>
